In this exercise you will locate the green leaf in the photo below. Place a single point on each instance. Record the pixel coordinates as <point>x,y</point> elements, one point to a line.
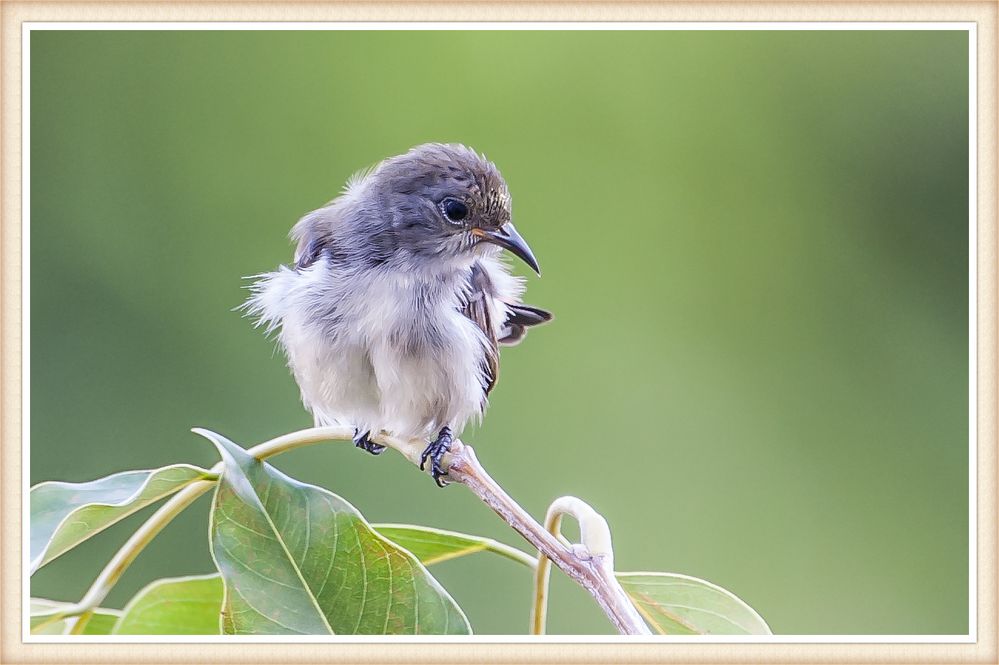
<point>174,606</point>
<point>298,559</point>
<point>63,515</point>
<point>432,545</point>
<point>675,604</point>
<point>44,621</point>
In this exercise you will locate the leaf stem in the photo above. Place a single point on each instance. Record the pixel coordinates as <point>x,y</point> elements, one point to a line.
<point>542,573</point>
<point>489,545</point>
<point>81,623</point>
<point>125,555</point>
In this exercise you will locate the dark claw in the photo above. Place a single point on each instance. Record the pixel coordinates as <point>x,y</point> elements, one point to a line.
<point>435,452</point>
<point>362,441</point>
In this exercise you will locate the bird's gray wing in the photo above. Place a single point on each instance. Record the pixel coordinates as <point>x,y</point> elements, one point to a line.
<point>309,250</point>
<point>477,309</point>
<point>518,319</point>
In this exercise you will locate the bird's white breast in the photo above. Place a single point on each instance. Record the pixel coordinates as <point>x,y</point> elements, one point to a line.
<point>381,350</point>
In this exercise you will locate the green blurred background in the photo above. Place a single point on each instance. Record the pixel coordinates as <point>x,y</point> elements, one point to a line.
<point>755,244</point>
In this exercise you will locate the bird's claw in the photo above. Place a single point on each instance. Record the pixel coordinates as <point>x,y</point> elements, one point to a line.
<point>364,442</point>
<point>435,452</point>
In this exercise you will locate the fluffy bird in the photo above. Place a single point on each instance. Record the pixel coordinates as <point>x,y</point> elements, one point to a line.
<point>392,314</point>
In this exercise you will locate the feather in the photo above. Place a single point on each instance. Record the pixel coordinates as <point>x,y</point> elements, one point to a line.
<point>519,317</point>
<point>518,320</point>
<point>477,309</point>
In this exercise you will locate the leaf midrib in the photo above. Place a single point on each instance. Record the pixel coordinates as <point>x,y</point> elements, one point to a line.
<point>284,547</point>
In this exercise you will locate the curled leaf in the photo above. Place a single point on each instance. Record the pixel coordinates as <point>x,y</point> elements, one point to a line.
<point>63,515</point>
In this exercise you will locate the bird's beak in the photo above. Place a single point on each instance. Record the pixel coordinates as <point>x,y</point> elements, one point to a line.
<point>507,237</point>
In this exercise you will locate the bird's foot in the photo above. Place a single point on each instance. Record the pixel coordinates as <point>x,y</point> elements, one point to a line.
<point>362,441</point>
<point>434,452</point>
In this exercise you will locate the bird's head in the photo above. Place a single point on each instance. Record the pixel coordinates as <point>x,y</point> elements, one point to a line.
<point>439,202</point>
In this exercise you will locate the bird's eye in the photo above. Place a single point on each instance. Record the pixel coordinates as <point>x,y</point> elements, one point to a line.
<point>454,210</point>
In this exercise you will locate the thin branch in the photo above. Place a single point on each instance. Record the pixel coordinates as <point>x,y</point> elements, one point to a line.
<point>589,570</point>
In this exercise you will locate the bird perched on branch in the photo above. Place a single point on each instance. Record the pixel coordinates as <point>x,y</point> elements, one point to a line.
<point>393,312</point>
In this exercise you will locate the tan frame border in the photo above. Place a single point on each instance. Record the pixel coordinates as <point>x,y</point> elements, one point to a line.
<point>13,13</point>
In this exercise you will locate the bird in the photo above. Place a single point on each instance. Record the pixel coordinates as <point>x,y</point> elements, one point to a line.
<point>398,298</point>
